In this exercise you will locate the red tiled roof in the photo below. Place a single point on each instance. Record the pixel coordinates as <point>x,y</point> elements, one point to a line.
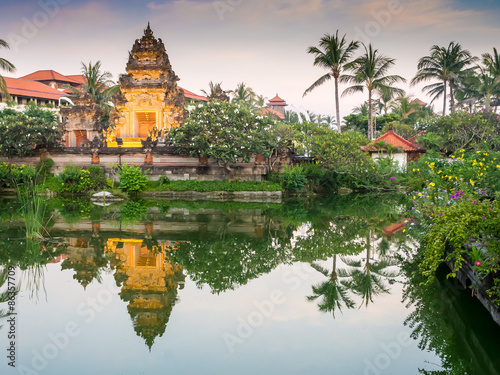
<point>277,101</point>
<point>191,95</point>
<point>79,78</point>
<point>49,75</point>
<point>419,102</point>
<point>395,140</point>
<point>32,89</point>
<point>395,227</point>
<point>270,111</point>
<point>414,138</point>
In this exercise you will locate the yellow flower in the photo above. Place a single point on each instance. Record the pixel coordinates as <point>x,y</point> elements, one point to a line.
<point>472,182</point>
<point>404,230</point>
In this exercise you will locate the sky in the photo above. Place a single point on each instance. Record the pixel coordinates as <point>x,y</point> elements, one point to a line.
<point>260,42</point>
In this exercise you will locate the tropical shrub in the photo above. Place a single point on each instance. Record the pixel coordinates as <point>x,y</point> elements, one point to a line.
<point>468,131</point>
<point>293,178</point>
<point>73,179</point>
<point>11,175</point>
<point>44,167</point>
<point>132,179</point>
<point>334,151</point>
<point>96,174</point>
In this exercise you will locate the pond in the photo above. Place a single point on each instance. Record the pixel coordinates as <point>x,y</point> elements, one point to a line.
<point>321,286</point>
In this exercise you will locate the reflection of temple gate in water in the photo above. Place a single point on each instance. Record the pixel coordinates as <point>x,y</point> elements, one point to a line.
<point>149,284</point>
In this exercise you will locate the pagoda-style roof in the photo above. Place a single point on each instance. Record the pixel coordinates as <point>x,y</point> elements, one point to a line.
<point>148,49</point>
<point>395,140</point>
<point>277,101</point>
<point>49,75</point>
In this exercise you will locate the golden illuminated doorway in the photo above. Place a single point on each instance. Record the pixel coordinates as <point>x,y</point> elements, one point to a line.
<point>146,122</point>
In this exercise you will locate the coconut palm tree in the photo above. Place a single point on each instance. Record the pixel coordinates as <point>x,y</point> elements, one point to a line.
<point>361,109</point>
<point>7,66</point>
<point>243,95</point>
<point>333,53</point>
<point>445,64</point>
<point>370,72</point>
<point>492,62</point>
<point>291,117</point>
<point>97,84</point>
<point>215,92</point>
<point>404,106</point>
<point>488,86</point>
<point>386,99</point>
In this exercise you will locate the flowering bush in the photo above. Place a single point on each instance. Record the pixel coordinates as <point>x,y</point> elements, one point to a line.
<point>11,175</point>
<point>457,215</point>
<point>21,133</point>
<point>226,132</point>
<point>75,180</point>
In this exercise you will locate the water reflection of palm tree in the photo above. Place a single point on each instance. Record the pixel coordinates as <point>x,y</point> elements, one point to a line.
<point>367,280</point>
<point>333,292</point>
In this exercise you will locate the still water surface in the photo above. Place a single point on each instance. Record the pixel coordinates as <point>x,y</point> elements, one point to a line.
<point>313,286</point>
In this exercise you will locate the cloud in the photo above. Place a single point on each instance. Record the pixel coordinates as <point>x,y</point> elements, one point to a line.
<point>154,6</point>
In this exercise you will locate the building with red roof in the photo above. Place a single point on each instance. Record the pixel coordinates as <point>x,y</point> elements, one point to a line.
<point>54,79</point>
<point>191,96</point>
<point>405,152</point>
<point>23,91</point>
<point>271,112</point>
<point>277,104</point>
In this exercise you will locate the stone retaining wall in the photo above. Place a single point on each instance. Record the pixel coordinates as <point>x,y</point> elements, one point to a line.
<point>157,163</point>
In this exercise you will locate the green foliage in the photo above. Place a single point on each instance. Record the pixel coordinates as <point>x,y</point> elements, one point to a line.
<point>431,141</point>
<point>21,134</point>
<point>133,211</point>
<point>404,130</point>
<point>11,175</point>
<point>456,225</point>
<point>44,167</point>
<point>96,174</point>
<point>226,132</point>
<point>462,130</point>
<point>293,178</point>
<point>73,179</point>
<point>202,186</point>
<point>132,179</point>
<point>331,150</point>
<point>359,122</point>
